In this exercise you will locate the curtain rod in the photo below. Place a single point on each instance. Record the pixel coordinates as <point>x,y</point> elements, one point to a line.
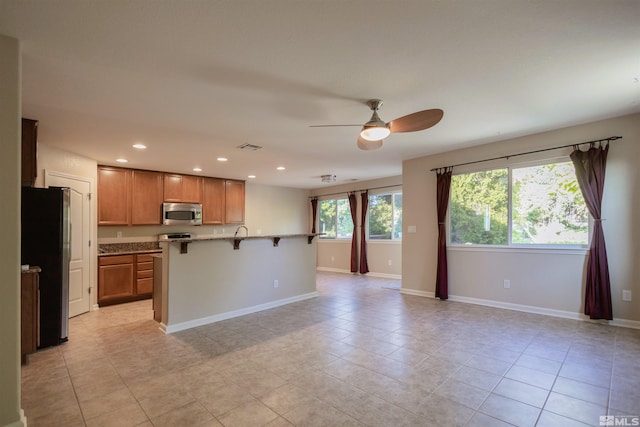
<point>611,138</point>
<point>354,191</point>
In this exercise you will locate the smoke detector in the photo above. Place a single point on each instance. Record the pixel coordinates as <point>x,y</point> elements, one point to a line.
<point>328,178</point>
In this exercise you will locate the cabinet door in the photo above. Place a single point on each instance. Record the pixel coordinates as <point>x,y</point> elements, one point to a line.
<point>146,202</point>
<point>191,189</point>
<point>213,201</point>
<point>114,196</point>
<point>115,282</point>
<point>234,202</point>
<point>29,152</point>
<point>172,188</point>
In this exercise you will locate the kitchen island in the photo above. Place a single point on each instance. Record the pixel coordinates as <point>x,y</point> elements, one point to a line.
<point>208,279</point>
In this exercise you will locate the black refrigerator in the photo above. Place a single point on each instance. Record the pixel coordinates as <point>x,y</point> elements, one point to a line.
<point>46,243</point>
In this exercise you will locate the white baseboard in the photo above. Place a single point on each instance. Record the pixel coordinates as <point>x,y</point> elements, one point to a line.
<point>407,291</point>
<point>633,324</point>
<point>22,422</point>
<point>385,275</point>
<point>371,273</point>
<point>169,329</point>
<point>95,307</point>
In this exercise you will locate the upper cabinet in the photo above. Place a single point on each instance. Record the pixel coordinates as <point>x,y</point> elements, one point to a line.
<point>182,188</point>
<point>29,152</point>
<point>135,197</point>
<point>146,197</point>
<point>234,202</point>
<point>114,196</point>
<point>213,202</point>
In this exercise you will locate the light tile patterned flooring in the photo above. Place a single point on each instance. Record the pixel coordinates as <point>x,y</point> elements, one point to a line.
<point>359,354</point>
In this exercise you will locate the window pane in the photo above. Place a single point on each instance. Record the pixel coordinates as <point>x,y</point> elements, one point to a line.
<point>548,207</point>
<point>327,217</point>
<point>345,224</point>
<point>380,216</point>
<point>479,208</point>
<point>397,216</point>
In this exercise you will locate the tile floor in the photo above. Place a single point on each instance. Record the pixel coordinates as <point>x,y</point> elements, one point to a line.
<point>359,354</point>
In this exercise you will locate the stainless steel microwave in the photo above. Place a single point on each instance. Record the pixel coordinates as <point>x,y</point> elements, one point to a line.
<point>181,214</point>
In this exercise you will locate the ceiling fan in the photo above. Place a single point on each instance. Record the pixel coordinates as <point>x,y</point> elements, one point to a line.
<point>375,130</point>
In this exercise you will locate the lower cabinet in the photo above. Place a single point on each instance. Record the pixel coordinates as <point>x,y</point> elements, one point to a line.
<point>29,313</point>
<point>124,278</point>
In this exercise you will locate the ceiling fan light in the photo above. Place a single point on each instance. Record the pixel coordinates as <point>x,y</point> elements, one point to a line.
<point>374,133</point>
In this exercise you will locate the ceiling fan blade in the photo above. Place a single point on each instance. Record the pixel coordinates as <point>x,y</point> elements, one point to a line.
<point>363,144</point>
<point>330,126</point>
<point>417,121</point>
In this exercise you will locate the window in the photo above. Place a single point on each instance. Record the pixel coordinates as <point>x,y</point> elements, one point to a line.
<point>335,219</point>
<point>532,205</point>
<point>385,216</point>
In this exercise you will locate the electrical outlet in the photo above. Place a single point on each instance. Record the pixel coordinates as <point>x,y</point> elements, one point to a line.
<point>119,234</point>
<point>411,229</point>
<point>626,295</point>
<point>390,262</point>
<point>507,283</point>
<point>333,258</point>
<point>275,284</point>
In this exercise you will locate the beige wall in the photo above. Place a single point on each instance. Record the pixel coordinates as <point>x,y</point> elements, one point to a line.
<point>213,281</point>
<point>268,210</point>
<point>10,113</point>
<point>383,258</point>
<point>540,279</point>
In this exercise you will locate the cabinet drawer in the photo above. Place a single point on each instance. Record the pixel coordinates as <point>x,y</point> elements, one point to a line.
<point>116,259</point>
<point>144,286</point>
<point>144,274</point>
<point>145,258</point>
<point>144,266</point>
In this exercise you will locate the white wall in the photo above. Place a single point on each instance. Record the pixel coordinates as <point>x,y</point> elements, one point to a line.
<point>10,179</point>
<point>335,254</point>
<point>545,280</point>
<point>213,281</point>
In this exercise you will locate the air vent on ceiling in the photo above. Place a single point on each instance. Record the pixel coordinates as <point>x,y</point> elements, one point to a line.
<point>249,147</point>
<point>328,178</point>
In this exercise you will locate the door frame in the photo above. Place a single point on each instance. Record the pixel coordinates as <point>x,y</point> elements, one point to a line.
<point>93,231</point>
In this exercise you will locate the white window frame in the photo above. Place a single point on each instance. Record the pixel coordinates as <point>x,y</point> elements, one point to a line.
<point>384,193</point>
<point>518,247</point>
<point>336,238</point>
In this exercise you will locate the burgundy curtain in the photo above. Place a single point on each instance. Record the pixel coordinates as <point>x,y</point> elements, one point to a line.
<point>354,247</point>
<point>314,211</point>
<point>590,170</point>
<point>364,266</point>
<point>442,202</point>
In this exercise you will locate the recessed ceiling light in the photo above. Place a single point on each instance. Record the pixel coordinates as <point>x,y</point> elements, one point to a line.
<point>280,168</point>
<point>139,146</point>
<point>222,159</point>
<point>251,176</point>
<point>122,160</point>
<point>197,169</point>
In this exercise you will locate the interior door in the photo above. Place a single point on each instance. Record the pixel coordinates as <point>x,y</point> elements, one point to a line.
<point>80,264</point>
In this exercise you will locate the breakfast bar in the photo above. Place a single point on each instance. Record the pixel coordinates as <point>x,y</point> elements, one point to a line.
<point>213,278</point>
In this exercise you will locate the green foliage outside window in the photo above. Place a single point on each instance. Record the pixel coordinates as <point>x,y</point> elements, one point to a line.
<point>335,219</point>
<point>385,216</point>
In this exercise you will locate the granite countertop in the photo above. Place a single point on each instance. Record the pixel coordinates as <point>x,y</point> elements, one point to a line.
<point>32,269</point>
<point>107,249</point>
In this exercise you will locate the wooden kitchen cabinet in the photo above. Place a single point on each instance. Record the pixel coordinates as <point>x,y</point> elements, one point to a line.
<point>115,279</point>
<point>182,188</point>
<point>213,201</point>
<point>29,312</point>
<point>144,274</point>
<point>29,152</point>
<point>124,278</point>
<point>146,197</point>
<point>234,201</point>
<point>114,196</point>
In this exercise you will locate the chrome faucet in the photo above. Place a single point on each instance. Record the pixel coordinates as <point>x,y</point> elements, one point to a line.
<point>238,229</point>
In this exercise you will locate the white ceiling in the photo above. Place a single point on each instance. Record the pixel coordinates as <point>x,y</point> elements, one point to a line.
<point>195,79</point>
